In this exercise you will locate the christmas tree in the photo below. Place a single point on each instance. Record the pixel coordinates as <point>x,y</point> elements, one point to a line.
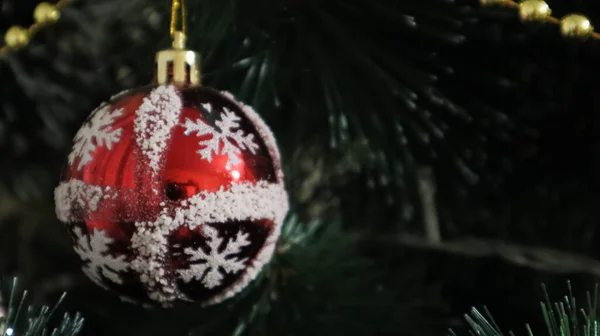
<point>439,158</point>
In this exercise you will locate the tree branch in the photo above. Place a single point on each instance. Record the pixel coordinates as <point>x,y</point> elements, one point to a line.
<point>538,258</point>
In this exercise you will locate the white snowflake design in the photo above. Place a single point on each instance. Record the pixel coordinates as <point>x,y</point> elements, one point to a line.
<point>227,125</point>
<point>95,252</point>
<point>96,132</point>
<point>215,262</point>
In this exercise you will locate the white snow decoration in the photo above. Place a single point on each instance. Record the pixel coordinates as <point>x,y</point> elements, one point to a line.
<point>96,253</point>
<point>150,241</point>
<point>74,195</point>
<point>227,125</point>
<point>264,132</point>
<point>215,262</point>
<point>244,201</point>
<point>155,118</point>
<point>98,131</point>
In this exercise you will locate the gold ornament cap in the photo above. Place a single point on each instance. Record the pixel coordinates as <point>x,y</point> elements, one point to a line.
<point>178,65</point>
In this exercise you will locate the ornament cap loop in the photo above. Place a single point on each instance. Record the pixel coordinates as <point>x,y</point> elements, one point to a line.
<point>178,65</point>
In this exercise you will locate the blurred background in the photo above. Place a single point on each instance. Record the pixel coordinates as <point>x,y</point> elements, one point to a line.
<point>453,148</point>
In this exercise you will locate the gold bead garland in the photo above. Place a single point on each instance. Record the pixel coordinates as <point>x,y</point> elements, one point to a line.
<point>45,14</point>
<point>534,10</point>
<point>576,25</point>
<point>571,25</point>
<point>16,37</point>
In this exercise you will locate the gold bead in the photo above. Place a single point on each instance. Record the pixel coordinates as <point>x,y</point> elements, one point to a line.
<point>576,25</point>
<point>46,13</point>
<point>16,37</point>
<point>534,10</point>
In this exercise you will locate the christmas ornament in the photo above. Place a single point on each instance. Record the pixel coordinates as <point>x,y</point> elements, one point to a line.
<point>173,192</point>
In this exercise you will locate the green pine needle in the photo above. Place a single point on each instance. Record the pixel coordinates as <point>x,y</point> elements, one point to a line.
<point>339,71</point>
<point>562,318</point>
<point>23,320</point>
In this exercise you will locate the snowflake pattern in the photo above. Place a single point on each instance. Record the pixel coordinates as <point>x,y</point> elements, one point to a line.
<point>95,253</point>
<point>97,131</point>
<point>227,125</point>
<point>215,262</point>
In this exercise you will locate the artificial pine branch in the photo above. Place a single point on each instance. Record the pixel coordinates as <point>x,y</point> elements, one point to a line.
<point>338,71</point>
<point>538,84</point>
<point>356,75</point>
<point>20,319</point>
<point>563,318</point>
<point>543,259</point>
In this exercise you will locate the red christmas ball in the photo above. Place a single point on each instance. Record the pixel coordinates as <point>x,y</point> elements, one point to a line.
<point>173,194</point>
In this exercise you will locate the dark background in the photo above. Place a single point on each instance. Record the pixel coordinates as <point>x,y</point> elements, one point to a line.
<point>505,114</point>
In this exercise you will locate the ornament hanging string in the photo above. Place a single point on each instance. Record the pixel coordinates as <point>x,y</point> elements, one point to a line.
<point>571,25</point>
<point>178,16</point>
<point>44,14</point>
<point>178,64</point>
